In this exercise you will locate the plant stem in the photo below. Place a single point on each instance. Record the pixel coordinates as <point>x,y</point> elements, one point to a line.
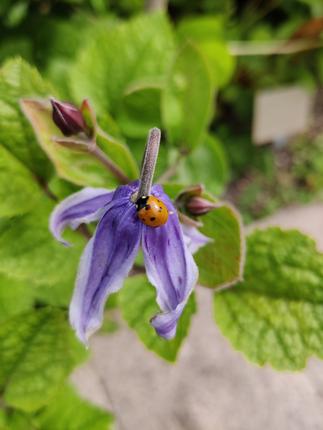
<point>97,153</point>
<point>149,162</point>
<point>280,47</point>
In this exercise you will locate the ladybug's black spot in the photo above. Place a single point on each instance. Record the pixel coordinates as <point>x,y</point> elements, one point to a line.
<point>141,203</point>
<point>147,207</point>
<point>152,218</point>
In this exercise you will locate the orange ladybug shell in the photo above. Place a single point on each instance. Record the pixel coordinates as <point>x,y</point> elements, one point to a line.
<point>152,211</point>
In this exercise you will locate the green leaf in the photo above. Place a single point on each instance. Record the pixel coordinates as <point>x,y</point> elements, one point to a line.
<point>208,34</point>
<point>68,412</point>
<point>138,305</point>
<point>17,80</point>
<point>140,112</point>
<point>38,351</point>
<point>116,58</point>
<point>187,98</point>
<point>221,261</point>
<point>206,164</point>
<point>77,167</point>
<point>15,297</point>
<point>29,252</point>
<point>18,189</point>
<point>275,316</point>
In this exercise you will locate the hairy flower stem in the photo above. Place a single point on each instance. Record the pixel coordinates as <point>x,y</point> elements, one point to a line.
<point>149,163</point>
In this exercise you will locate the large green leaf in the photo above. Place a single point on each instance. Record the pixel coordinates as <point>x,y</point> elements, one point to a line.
<point>206,164</point>
<point>38,351</point>
<point>138,305</point>
<point>18,189</point>
<point>29,252</point>
<point>68,412</point>
<point>275,315</point>
<point>187,98</point>
<point>78,167</point>
<point>17,80</point>
<point>221,261</point>
<point>15,297</point>
<point>208,34</point>
<point>115,58</point>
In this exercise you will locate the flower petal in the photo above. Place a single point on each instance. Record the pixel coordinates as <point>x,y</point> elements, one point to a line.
<point>82,207</point>
<point>170,268</point>
<point>194,239</point>
<point>106,261</point>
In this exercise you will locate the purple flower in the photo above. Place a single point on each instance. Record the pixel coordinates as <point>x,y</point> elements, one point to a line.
<point>109,255</point>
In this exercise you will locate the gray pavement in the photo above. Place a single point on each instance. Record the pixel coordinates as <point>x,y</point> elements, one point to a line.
<point>211,387</point>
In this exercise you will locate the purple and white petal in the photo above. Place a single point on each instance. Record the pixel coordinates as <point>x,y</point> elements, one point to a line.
<point>106,262</point>
<point>170,268</point>
<point>84,206</point>
<point>194,239</point>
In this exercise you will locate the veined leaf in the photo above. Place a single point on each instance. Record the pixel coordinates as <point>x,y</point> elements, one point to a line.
<point>77,167</point>
<point>275,315</point>
<point>138,305</point>
<point>38,351</point>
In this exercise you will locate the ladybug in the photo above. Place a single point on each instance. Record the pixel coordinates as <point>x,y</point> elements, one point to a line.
<point>151,211</point>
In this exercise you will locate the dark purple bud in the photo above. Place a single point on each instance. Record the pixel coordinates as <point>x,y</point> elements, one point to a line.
<point>68,118</point>
<point>197,206</point>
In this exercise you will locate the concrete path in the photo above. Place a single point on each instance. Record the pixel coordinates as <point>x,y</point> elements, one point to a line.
<point>212,387</point>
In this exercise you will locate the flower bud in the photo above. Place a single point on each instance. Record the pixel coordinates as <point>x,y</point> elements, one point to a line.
<point>68,118</point>
<point>197,206</point>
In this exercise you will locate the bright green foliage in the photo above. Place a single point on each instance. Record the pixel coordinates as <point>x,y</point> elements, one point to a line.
<point>207,164</point>
<point>116,58</point>
<point>275,315</point>
<point>68,412</point>
<point>76,166</point>
<point>140,111</point>
<point>187,98</point>
<point>18,189</point>
<point>17,80</point>
<point>138,305</point>
<point>208,34</point>
<point>15,297</point>
<point>221,261</point>
<point>38,351</point>
<point>29,252</point>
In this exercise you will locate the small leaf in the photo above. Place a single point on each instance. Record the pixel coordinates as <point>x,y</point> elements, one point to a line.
<point>38,351</point>
<point>18,189</point>
<point>138,305</point>
<point>221,261</point>
<point>18,79</point>
<point>77,167</point>
<point>275,316</point>
<point>69,412</point>
<point>187,99</point>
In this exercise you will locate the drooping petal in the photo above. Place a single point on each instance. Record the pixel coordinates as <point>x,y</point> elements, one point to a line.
<point>82,207</point>
<point>170,268</point>
<point>194,239</point>
<point>106,261</point>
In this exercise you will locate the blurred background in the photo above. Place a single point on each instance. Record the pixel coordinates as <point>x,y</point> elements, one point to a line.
<point>264,153</point>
